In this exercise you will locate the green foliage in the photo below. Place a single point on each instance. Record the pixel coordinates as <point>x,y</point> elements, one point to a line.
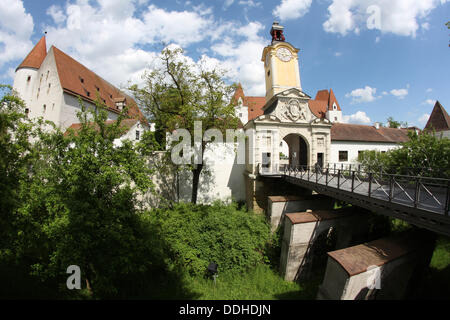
<point>72,199</point>
<point>198,235</point>
<point>423,154</point>
<point>259,283</point>
<point>396,124</point>
<point>178,93</point>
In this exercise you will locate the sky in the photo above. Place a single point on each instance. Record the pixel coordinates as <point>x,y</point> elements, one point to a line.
<point>382,58</point>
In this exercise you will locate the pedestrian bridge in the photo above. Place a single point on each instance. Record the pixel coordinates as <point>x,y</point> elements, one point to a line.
<point>418,200</point>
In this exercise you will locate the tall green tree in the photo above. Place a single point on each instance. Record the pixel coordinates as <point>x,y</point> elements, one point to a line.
<point>178,92</point>
<point>80,206</point>
<point>396,124</point>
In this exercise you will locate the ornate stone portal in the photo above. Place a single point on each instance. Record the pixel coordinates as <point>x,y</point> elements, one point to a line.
<point>287,117</point>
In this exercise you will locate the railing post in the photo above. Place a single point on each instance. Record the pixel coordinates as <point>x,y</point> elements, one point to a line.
<point>391,188</point>
<point>353,181</point>
<point>326,178</point>
<point>370,184</point>
<point>417,195</point>
<point>339,178</point>
<point>447,200</point>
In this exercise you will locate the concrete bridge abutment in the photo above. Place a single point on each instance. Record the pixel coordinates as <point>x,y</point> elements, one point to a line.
<point>386,268</point>
<point>278,206</point>
<point>303,232</point>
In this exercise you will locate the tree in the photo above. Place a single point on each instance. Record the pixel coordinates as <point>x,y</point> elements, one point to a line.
<point>396,124</point>
<point>15,157</point>
<point>80,206</point>
<point>178,92</point>
<point>424,154</point>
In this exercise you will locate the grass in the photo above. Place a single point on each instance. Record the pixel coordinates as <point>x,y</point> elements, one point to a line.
<point>261,283</point>
<point>436,282</point>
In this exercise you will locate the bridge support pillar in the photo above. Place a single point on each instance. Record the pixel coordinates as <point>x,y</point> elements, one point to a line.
<point>278,206</point>
<point>382,269</point>
<point>303,229</point>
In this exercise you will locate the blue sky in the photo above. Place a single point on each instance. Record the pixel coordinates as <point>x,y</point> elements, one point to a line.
<point>381,57</point>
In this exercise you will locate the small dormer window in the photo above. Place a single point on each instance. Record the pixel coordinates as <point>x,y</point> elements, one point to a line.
<point>98,89</point>
<point>81,80</point>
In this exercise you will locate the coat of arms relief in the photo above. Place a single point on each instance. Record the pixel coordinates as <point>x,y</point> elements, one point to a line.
<point>292,110</point>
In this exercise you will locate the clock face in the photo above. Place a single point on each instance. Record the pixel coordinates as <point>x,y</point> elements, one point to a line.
<point>284,54</point>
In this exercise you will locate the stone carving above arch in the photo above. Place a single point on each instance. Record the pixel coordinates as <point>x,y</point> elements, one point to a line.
<point>293,110</point>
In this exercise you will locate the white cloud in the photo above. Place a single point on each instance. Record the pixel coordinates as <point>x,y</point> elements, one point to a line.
<point>366,94</point>
<point>112,40</point>
<point>399,93</point>
<point>423,119</point>
<point>57,14</point>
<point>429,90</point>
<point>430,102</point>
<point>292,9</point>
<point>401,17</point>
<point>250,3</point>
<point>338,54</point>
<point>16,28</point>
<point>243,58</point>
<point>359,117</point>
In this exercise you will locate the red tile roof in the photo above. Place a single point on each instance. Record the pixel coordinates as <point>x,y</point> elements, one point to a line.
<point>439,119</point>
<point>356,132</point>
<point>125,125</point>
<point>36,56</point>
<point>324,101</point>
<point>254,104</point>
<point>78,80</point>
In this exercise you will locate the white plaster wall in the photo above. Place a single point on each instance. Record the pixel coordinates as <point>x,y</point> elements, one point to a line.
<point>242,112</point>
<point>70,107</point>
<point>23,87</point>
<point>225,180</point>
<point>354,146</point>
<point>37,93</point>
<point>332,114</point>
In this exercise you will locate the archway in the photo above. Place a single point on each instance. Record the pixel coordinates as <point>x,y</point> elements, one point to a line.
<point>298,150</point>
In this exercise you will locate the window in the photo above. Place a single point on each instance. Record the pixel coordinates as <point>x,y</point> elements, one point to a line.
<point>27,111</point>
<point>268,73</point>
<point>44,107</point>
<point>138,133</point>
<point>335,118</point>
<point>343,156</point>
<point>360,153</point>
<point>49,86</point>
<point>98,89</point>
<point>81,80</point>
<point>240,115</point>
<point>29,78</point>
<point>46,77</point>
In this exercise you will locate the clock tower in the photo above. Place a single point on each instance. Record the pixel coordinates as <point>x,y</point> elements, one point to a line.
<point>280,64</point>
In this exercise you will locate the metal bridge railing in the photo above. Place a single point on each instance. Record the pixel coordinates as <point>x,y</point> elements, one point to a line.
<point>432,194</point>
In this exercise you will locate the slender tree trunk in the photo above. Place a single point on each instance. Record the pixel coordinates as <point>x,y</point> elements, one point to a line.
<point>195,181</point>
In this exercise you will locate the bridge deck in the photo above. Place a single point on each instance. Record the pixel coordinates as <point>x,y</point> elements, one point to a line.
<point>420,201</point>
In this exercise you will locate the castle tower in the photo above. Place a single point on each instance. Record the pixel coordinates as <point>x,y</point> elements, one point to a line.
<point>280,64</point>
<point>27,72</point>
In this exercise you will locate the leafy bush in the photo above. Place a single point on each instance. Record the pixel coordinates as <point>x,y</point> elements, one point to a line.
<point>198,234</point>
<point>424,154</point>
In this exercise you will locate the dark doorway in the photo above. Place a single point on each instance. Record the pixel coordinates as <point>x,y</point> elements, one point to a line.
<point>298,150</point>
<point>320,159</point>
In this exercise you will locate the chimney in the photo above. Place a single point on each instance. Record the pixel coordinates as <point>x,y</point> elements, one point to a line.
<point>377,125</point>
